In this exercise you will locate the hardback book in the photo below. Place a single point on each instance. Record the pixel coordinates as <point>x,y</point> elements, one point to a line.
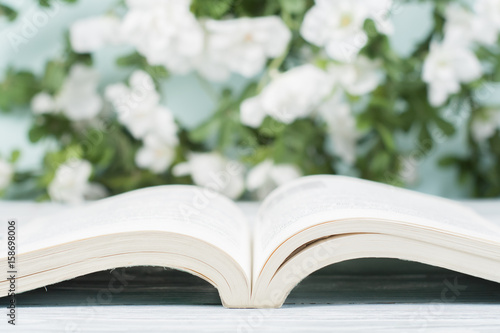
<point>300,227</point>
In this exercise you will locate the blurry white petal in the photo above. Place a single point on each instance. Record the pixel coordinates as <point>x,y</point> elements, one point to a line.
<point>244,44</point>
<point>266,176</point>
<point>95,191</point>
<point>182,169</point>
<point>258,175</point>
<point>70,181</point>
<point>155,155</point>
<point>78,98</point>
<point>447,66</point>
<point>43,103</point>
<point>341,126</point>
<point>251,112</point>
<point>91,34</point>
<point>295,93</point>
<point>338,26</point>
<point>283,173</point>
<point>483,128</point>
<point>213,171</point>
<point>359,77</point>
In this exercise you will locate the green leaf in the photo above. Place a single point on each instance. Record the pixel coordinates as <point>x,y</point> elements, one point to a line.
<point>8,12</point>
<point>426,141</point>
<point>132,59</point>
<point>157,72</point>
<point>448,161</point>
<point>294,7</point>
<point>204,131</point>
<point>17,89</point>
<point>211,8</point>
<point>36,134</point>
<point>48,3</point>
<point>256,7</point>
<point>14,156</point>
<point>446,127</point>
<point>55,73</point>
<point>380,162</point>
<point>386,137</point>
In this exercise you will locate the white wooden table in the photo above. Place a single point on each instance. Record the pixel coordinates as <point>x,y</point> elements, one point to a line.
<point>376,295</point>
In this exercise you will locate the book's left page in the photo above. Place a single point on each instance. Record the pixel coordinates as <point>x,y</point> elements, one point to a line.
<point>183,227</point>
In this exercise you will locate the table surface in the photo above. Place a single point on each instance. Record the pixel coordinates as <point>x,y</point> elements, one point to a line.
<point>377,295</point>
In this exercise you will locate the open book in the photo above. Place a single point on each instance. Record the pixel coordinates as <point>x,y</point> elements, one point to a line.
<point>301,227</point>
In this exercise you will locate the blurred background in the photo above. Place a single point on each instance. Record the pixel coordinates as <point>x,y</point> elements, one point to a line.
<point>398,94</point>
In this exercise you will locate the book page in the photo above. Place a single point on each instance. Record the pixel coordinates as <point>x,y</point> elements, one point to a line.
<point>315,199</point>
<point>185,210</point>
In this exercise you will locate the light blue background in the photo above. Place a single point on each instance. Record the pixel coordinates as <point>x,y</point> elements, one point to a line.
<point>183,94</point>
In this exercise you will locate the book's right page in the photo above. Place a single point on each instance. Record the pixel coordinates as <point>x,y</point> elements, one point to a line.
<point>310,200</point>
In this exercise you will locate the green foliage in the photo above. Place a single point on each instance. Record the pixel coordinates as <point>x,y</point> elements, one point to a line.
<point>137,61</point>
<point>53,78</point>
<point>211,8</point>
<point>8,12</point>
<point>50,3</point>
<point>17,89</point>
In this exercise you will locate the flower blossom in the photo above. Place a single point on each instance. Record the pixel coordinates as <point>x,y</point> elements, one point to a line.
<point>291,95</point>
<point>337,25</point>
<point>359,77</point>
<point>266,176</point>
<point>341,127</point>
<point>91,34</point>
<point>244,44</point>
<point>165,32</point>
<point>213,171</point>
<point>484,127</point>
<point>139,111</point>
<point>447,66</point>
<point>77,99</point>
<point>71,183</point>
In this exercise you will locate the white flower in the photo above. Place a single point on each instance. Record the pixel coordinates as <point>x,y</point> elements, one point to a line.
<point>213,171</point>
<point>292,95</point>
<point>91,34</point>
<point>266,176</point>
<point>165,32</point>
<point>380,12</point>
<point>164,126</point>
<point>251,112</point>
<point>359,77</point>
<point>156,154</point>
<point>78,98</point>
<point>244,44</point>
<point>341,126</point>
<point>71,185</point>
<point>139,110</point>
<point>445,67</point>
<point>338,25</point>
<point>484,127</point>
<point>211,67</point>
<point>6,173</point>
<point>43,103</point>
<point>168,34</point>
<point>489,12</point>
<point>464,26</point>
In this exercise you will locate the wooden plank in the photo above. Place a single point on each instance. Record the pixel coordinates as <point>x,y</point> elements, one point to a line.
<point>369,294</point>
